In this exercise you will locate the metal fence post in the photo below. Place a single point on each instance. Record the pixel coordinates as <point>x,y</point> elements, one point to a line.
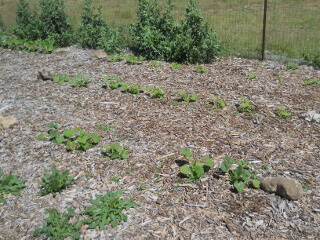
<point>264,29</point>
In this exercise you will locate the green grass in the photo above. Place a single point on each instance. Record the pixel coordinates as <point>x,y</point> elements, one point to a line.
<point>293,27</point>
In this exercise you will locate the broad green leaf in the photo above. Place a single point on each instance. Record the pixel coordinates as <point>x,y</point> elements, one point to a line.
<point>225,166</point>
<point>41,137</point>
<point>185,169</point>
<point>187,153</point>
<point>69,133</point>
<point>52,125</point>
<point>256,183</point>
<point>60,139</point>
<point>239,186</point>
<point>209,162</point>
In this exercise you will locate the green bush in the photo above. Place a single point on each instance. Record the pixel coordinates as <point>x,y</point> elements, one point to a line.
<point>52,23</point>
<point>157,36</point>
<point>312,60</point>
<point>95,33</point>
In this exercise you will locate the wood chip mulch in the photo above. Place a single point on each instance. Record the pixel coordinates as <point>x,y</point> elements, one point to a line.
<point>155,130</point>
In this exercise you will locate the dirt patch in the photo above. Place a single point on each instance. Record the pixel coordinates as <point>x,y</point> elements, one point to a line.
<point>155,130</point>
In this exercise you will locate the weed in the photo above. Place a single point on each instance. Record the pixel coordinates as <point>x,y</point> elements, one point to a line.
<point>311,59</point>
<point>115,179</point>
<point>105,127</point>
<point>186,97</point>
<point>141,188</point>
<point>9,184</point>
<point>58,227</point>
<point>132,88</point>
<point>195,170</point>
<point>218,103</point>
<point>201,68</point>
<point>72,138</point>
<point>242,176</point>
<point>107,209</point>
<point>116,151</point>
<point>61,78</point>
<point>132,60</point>
<point>282,113</point>
<point>115,58</point>
<point>246,106</point>
<point>175,66</point>
<point>80,81</point>
<point>252,75</point>
<point>308,82</point>
<point>156,92</point>
<point>292,65</point>
<point>155,64</point>
<point>305,187</point>
<point>55,182</point>
<point>281,79</point>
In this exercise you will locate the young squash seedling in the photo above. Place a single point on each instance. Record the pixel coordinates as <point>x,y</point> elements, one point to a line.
<point>107,209</point>
<point>282,113</point>
<point>132,60</point>
<point>132,88</point>
<point>292,65</point>
<point>246,106</point>
<point>114,58</point>
<point>156,92</point>
<point>61,78</point>
<point>183,96</point>
<point>113,84</point>
<point>80,81</point>
<point>55,182</point>
<point>196,169</point>
<point>10,184</point>
<point>58,226</point>
<point>155,64</point>
<point>244,175</point>
<point>252,75</point>
<point>175,66</point>
<point>218,103</point>
<point>116,151</point>
<point>201,68</point>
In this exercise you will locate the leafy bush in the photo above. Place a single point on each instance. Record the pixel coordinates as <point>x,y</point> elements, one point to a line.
<point>157,36</point>
<point>107,209</point>
<point>312,60</point>
<point>55,182</point>
<point>9,184</point>
<point>58,227</point>
<point>242,176</point>
<point>95,33</point>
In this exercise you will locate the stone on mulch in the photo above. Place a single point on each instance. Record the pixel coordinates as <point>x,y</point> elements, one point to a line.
<point>311,116</point>
<point>285,187</point>
<point>7,122</point>
<point>45,74</point>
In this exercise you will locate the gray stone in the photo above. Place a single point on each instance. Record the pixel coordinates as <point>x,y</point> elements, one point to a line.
<point>7,122</point>
<point>285,187</point>
<point>60,52</point>
<point>45,74</point>
<point>98,54</point>
<point>311,116</point>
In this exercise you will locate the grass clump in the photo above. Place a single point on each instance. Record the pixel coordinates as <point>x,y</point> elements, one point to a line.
<point>9,184</point>
<point>58,226</point>
<point>107,209</point>
<point>157,36</point>
<point>55,182</point>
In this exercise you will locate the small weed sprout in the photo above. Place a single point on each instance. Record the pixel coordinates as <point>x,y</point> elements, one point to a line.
<point>55,182</point>
<point>9,184</point>
<point>80,81</point>
<point>175,66</point>
<point>183,96</point>
<point>132,88</point>
<point>252,75</point>
<point>58,227</point>
<point>107,209</point>
<point>156,92</point>
<point>292,65</point>
<point>116,151</point>
<point>61,78</point>
<point>308,82</point>
<point>201,68</point>
<point>244,175</point>
<point>282,113</point>
<point>155,64</point>
<point>218,103</point>
<point>114,58</point>
<point>113,84</point>
<point>246,106</point>
<point>196,169</point>
<point>132,60</point>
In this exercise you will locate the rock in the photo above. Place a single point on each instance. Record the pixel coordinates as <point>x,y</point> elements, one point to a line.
<point>7,122</point>
<point>45,74</point>
<point>311,116</point>
<point>98,54</point>
<point>60,52</point>
<point>285,187</point>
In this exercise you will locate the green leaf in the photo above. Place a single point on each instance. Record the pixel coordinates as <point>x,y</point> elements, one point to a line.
<point>70,144</point>
<point>69,133</point>
<point>60,139</point>
<point>225,166</point>
<point>185,169</point>
<point>187,153</point>
<point>256,183</point>
<point>239,186</point>
<point>209,162</point>
<point>41,137</point>
<point>52,125</point>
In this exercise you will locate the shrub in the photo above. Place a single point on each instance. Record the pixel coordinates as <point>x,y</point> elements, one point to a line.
<point>157,36</point>
<point>29,25</point>
<point>95,33</point>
